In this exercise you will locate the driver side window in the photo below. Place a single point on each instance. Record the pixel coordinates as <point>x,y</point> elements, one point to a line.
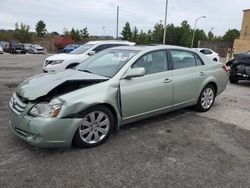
<point>153,62</point>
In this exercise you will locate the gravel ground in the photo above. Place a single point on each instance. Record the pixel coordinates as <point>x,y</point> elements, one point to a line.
<point>179,149</point>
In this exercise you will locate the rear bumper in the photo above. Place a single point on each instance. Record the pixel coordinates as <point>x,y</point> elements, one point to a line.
<point>240,76</point>
<point>44,132</point>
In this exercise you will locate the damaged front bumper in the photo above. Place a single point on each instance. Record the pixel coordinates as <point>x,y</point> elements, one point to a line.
<point>44,132</point>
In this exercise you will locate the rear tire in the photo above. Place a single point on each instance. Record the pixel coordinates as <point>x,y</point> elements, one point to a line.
<point>233,79</point>
<point>206,99</point>
<point>95,128</point>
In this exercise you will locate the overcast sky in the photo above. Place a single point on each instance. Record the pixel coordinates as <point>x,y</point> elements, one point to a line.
<point>94,14</point>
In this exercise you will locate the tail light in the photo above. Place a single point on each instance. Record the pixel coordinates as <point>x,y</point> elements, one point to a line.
<point>226,69</point>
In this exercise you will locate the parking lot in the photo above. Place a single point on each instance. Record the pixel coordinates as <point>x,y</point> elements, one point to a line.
<point>179,149</point>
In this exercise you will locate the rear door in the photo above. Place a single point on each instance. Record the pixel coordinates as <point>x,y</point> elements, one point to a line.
<point>151,92</point>
<point>188,74</point>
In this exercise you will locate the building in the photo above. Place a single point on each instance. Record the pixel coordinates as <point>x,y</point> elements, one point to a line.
<point>242,44</point>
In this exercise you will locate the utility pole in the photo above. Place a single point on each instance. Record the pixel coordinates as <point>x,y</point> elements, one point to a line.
<point>117,22</point>
<point>195,29</point>
<point>165,23</point>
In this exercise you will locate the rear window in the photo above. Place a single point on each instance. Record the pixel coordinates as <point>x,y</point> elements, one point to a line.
<point>182,59</point>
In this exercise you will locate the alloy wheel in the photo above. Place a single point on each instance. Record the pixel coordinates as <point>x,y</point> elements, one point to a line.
<point>207,98</point>
<point>94,127</point>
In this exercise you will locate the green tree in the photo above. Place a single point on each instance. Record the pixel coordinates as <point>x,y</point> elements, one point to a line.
<point>185,34</point>
<point>210,35</point>
<point>142,37</point>
<point>149,38</point>
<point>126,32</point>
<point>172,35</point>
<point>21,33</point>
<point>66,32</point>
<point>231,35</point>
<point>84,34</point>
<point>158,33</point>
<point>41,28</point>
<point>134,34</point>
<point>199,35</point>
<point>75,35</point>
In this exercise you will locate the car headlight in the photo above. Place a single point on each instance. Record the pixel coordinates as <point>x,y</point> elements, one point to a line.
<point>55,62</point>
<point>45,109</point>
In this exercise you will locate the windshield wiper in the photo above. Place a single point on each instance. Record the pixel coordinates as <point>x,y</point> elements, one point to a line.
<point>85,70</point>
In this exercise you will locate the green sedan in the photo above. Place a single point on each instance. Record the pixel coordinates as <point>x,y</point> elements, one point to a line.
<point>113,88</point>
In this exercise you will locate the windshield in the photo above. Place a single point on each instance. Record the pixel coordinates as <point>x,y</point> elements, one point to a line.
<point>82,49</point>
<point>108,62</point>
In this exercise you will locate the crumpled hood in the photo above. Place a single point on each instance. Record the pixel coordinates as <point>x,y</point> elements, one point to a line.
<point>64,56</point>
<point>42,84</point>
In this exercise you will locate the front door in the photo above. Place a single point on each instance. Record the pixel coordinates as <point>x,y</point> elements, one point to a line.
<point>151,92</point>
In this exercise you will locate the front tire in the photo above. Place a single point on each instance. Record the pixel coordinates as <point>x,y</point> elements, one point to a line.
<point>206,99</point>
<point>95,128</point>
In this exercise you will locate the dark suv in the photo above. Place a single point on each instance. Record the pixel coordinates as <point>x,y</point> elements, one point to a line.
<point>239,68</point>
<point>16,49</point>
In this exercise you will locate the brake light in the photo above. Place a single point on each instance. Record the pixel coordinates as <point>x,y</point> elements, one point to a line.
<point>226,69</point>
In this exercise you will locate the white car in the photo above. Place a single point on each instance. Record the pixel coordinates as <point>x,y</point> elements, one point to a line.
<point>60,62</point>
<point>37,49</point>
<point>1,50</point>
<point>209,53</point>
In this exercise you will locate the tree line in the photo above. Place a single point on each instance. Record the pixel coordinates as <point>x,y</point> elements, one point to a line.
<point>23,34</point>
<point>175,35</point>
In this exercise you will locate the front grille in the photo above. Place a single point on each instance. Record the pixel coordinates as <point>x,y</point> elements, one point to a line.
<point>16,104</point>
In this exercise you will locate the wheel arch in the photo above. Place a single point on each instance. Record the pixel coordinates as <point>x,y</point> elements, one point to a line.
<point>214,85</point>
<point>113,110</point>
<point>208,81</point>
<point>107,105</point>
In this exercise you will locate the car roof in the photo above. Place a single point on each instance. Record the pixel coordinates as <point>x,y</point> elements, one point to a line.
<point>150,48</point>
<point>110,42</point>
<point>202,49</point>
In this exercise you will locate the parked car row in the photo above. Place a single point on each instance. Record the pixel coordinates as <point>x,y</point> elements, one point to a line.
<point>19,48</point>
<point>34,49</point>
<point>113,84</point>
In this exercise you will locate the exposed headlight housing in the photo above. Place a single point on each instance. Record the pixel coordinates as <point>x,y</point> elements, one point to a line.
<point>45,109</point>
<point>55,62</point>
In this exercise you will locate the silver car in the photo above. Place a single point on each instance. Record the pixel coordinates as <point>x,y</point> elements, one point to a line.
<point>115,87</point>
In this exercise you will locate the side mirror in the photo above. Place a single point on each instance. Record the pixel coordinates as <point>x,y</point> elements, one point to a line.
<point>91,53</point>
<point>135,72</point>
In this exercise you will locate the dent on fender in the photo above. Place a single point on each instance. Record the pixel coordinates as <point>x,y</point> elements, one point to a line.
<point>108,96</point>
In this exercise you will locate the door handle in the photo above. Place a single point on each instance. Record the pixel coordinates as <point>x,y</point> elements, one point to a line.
<point>167,80</point>
<point>202,73</point>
